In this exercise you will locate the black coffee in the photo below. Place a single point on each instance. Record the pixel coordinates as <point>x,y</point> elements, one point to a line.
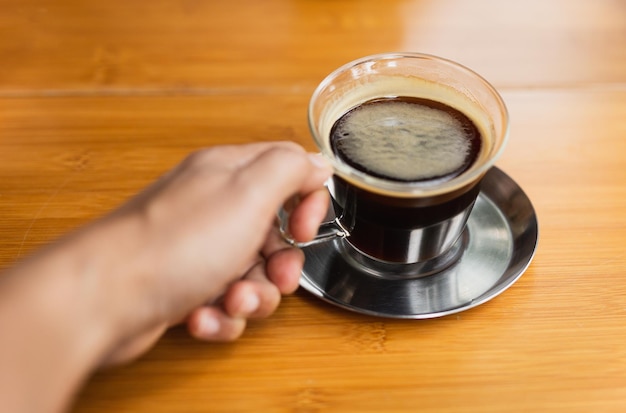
<point>407,139</point>
<point>381,226</point>
<point>402,139</point>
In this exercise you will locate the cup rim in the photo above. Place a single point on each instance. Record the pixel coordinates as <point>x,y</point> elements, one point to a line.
<point>408,189</point>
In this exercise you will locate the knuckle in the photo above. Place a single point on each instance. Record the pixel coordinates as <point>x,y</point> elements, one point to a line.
<point>234,330</point>
<point>199,157</point>
<point>273,300</point>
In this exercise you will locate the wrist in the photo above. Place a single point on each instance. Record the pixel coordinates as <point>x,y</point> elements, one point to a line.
<point>112,271</point>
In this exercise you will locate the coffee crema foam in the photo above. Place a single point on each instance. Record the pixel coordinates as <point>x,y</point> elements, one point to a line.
<point>407,139</point>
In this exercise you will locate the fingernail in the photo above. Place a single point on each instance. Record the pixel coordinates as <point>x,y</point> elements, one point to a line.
<point>319,161</point>
<point>209,325</point>
<point>250,304</point>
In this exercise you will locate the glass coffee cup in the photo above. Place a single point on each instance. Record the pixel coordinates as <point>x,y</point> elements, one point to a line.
<point>410,137</point>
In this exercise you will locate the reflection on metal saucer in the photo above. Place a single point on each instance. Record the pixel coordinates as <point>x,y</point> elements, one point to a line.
<point>494,251</point>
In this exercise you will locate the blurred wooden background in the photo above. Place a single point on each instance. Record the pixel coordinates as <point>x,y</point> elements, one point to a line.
<point>97,99</point>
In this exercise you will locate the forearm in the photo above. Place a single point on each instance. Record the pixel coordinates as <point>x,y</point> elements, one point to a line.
<point>59,316</point>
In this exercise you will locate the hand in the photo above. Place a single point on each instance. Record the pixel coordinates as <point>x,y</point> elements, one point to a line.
<point>198,246</point>
<point>214,256</point>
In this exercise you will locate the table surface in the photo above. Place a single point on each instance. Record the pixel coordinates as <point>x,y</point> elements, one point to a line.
<point>99,98</point>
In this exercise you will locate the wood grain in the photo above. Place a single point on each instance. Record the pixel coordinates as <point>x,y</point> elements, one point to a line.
<point>188,46</point>
<point>97,99</point>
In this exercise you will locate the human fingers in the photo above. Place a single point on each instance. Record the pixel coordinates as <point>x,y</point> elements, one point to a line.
<point>254,296</point>
<point>283,262</point>
<point>235,156</point>
<point>306,217</point>
<point>279,173</point>
<point>211,323</point>
<point>226,156</point>
<point>284,269</point>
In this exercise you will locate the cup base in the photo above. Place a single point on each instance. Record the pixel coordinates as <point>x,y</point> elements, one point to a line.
<point>494,251</point>
<point>393,271</point>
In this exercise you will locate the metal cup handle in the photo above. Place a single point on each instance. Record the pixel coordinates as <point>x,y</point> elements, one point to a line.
<point>327,231</point>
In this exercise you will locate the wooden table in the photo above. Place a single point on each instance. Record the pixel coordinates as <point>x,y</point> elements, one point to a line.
<point>99,98</point>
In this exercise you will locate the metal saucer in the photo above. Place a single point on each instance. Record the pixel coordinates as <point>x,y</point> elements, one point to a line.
<point>495,250</point>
